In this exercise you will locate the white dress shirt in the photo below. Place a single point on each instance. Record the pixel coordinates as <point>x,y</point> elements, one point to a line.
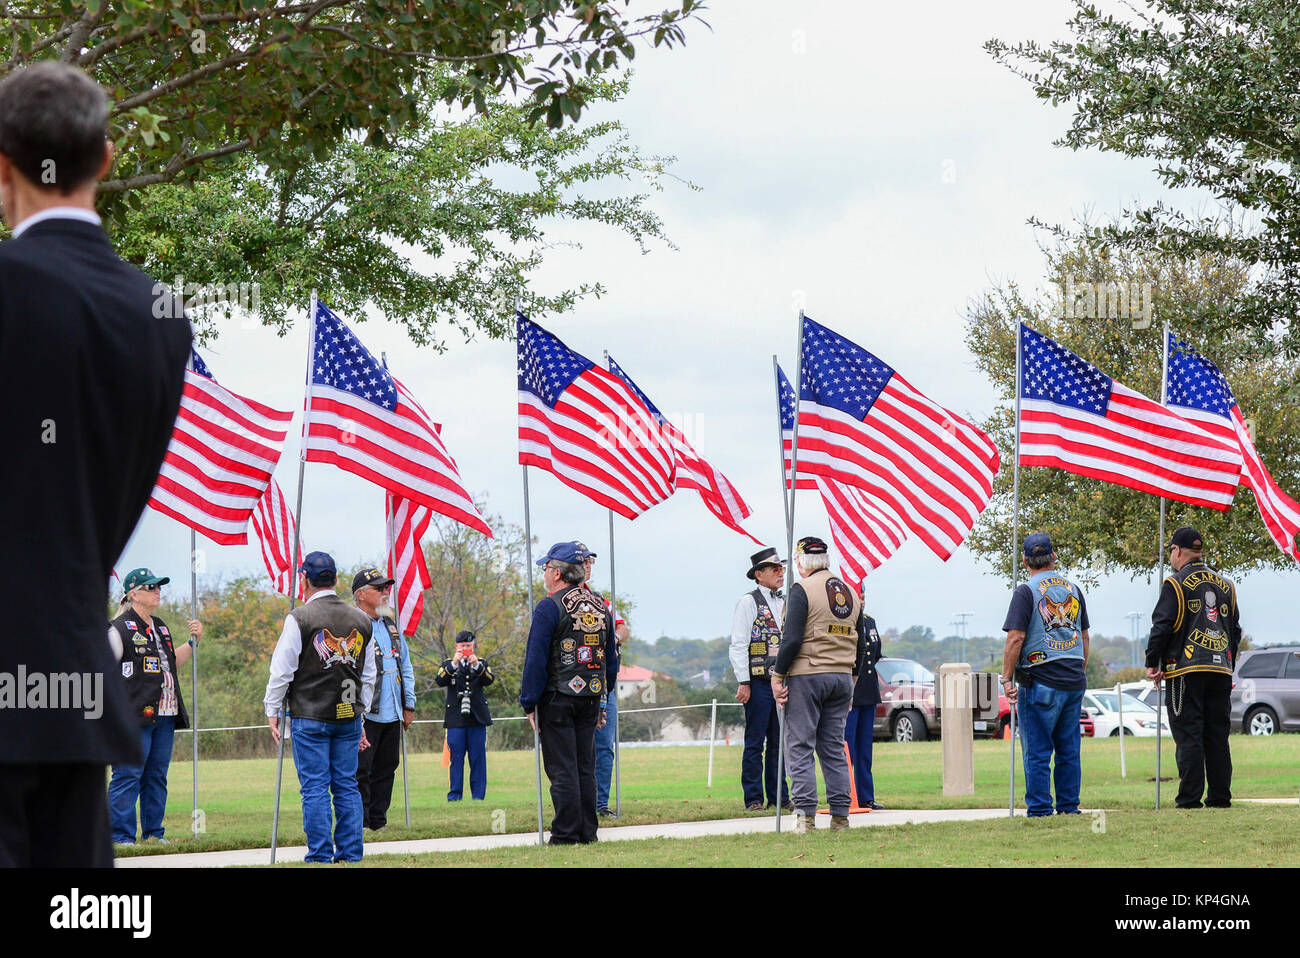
<point>284,663</point>
<point>58,213</point>
<point>742,623</point>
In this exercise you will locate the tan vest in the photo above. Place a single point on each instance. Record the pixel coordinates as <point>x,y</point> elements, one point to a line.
<point>830,636</point>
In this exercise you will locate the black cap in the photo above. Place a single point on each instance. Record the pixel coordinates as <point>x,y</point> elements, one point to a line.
<point>464,635</point>
<point>1185,537</point>
<point>369,577</point>
<point>810,546</point>
<point>761,558</point>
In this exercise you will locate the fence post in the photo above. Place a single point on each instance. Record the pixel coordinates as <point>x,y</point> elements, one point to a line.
<point>713,734</point>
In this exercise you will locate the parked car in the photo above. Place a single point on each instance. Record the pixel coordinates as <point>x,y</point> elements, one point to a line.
<point>1103,706</point>
<point>906,712</point>
<point>1146,693</point>
<point>1086,727</point>
<point>1266,691</point>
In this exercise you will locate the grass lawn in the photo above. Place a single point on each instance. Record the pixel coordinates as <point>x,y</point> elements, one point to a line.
<point>669,784</point>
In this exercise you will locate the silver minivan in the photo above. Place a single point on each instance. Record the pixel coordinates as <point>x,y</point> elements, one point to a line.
<point>1266,691</point>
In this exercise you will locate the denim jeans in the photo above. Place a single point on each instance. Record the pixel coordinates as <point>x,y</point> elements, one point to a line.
<point>1049,721</point>
<point>147,783</point>
<point>471,740</point>
<point>605,753</point>
<point>325,755</point>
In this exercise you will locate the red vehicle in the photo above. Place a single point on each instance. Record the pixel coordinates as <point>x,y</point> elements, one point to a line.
<point>906,712</point>
<point>1086,728</point>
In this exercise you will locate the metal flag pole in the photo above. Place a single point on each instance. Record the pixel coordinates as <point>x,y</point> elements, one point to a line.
<point>194,682</point>
<point>618,794</point>
<point>537,741</point>
<point>1119,704</point>
<point>780,442</point>
<point>1015,565</point>
<point>1160,548</point>
<point>789,541</point>
<point>294,558</point>
<point>390,519</point>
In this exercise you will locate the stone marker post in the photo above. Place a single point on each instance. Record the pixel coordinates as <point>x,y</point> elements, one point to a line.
<point>957,718</point>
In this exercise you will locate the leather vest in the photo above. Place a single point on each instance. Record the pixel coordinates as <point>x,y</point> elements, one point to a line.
<point>395,642</point>
<point>577,659</point>
<point>764,638</point>
<point>327,683</point>
<point>1202,640</point>
<point>147,656</point>
<point>1053,631</point>
<point>830,635</point>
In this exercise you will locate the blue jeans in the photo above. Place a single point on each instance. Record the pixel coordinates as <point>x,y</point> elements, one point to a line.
<point>474,741</point>
<point>857,733</point>
<point>1049,721</point>
<point>605,753</point>
<point>325,755</point>
<point>147,782</point>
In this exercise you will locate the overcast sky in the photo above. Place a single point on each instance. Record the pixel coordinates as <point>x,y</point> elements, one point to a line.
<point>868,162</point>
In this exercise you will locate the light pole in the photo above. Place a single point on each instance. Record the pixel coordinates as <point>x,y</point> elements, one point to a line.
<point>963,616</point>
<point>1133,618</point>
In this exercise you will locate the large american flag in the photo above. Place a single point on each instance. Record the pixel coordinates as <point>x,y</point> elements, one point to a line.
<point>864,530</point>
<point>693,470</point>
<point>361,419</point>
<point>407,522</point>
<point>862,424</point>
<point>588,428</point>
<point>274,525</point>
<point>1198,391</point>
<point>1075,417</point>
<point>223,450</point>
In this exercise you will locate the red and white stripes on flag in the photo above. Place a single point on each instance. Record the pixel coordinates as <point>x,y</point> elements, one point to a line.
<point>862,424</point>
<point>865,533</point>
<point>223,450</point>
<point>1075,417</point>
<point>586,427</point>
<point>407,524</point>
<point>274,526</point>
<point>361,419</point>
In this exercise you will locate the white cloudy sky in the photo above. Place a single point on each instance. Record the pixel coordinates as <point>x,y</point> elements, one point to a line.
<point>866,161</point>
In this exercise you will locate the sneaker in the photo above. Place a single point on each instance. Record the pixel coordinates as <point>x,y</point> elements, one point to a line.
<point>159,839</point>
<point>874,806</point>
<point>788,807</point>
<point>123,844</point>
<point>805,823</point>
<point>604,812</point>
<point>754,807</point>
<point>839,823</point>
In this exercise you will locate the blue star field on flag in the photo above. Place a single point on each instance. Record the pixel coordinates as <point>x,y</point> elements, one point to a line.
<point>1195,382</point>
<point>787,400</point>
<point>546,366</point>
<point>341,362</point>
<point>1053,373</point>
<point>617,370</point>
<point>198,365</point>
<point>839,373</point>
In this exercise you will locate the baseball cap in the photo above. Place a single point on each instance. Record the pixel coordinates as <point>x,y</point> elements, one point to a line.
<point>1185,537</point>
<point>319,568</point>
<point>370,577</point>
<point>810,546</point>
<point>1038,545</point>
<point>574,552</point>
<point>138,577</point>
<point>586,553</point>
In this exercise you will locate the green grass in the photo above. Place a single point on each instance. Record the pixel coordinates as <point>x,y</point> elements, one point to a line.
<point>669,784</point>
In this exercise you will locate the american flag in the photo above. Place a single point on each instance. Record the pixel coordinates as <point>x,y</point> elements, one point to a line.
<point>361,419</point>
<point>1075,417</point>
<point>220,459</point>
<point>274,525</point>
<point>588,428</point>
<point>1198,391</point>
<point>407,524</point>
<point>693,470</point>
<point>862,424</point>
<point>864,530</point>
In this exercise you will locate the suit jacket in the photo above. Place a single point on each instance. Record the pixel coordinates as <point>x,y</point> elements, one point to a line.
<point>90,382</point>
<point>453,680</point>
<point>866,694</point>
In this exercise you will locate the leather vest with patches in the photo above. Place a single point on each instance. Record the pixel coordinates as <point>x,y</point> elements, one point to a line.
<point>327,683</point>
<point>577,659</point>
<point>1202,639</point>
<point>1053,631</point>
<point>764,638</point>
<point>143,666</point>
<point>830,634</point>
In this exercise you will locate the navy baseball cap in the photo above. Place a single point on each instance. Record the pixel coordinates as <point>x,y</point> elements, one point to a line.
<point>319,568</point>
<point>586,553</point>
<point>574,552</point>
<point>1038,545</point>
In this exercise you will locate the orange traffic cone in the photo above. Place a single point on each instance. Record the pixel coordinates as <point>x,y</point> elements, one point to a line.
<point>854,807</point>
<point>446,753</point>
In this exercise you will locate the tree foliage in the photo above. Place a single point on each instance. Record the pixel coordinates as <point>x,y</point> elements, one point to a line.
<point>1205,90</point>
<point>1099,527</point>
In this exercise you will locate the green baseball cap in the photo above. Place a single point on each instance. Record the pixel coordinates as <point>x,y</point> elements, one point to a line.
<point>138,577</point>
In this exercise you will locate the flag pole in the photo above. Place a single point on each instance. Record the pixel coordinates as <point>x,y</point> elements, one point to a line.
<point>537,744</point>
<point>294,559</point>
<point>1160,550</point>
<point>618,795</point>
<point>389,520</point>
<point>1015,566</point>
<point>780,441</point>
<point>789,541</point>
<point>194,683</point>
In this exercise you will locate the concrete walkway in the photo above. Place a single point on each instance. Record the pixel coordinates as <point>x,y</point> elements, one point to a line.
<point>727,826</point>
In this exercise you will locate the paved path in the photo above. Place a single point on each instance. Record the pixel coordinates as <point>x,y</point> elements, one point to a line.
<point>728,826</point>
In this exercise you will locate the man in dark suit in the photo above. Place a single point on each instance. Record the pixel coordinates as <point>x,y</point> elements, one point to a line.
<point>466,717</point>
<point>90,382</point>
<point>859,728</point>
